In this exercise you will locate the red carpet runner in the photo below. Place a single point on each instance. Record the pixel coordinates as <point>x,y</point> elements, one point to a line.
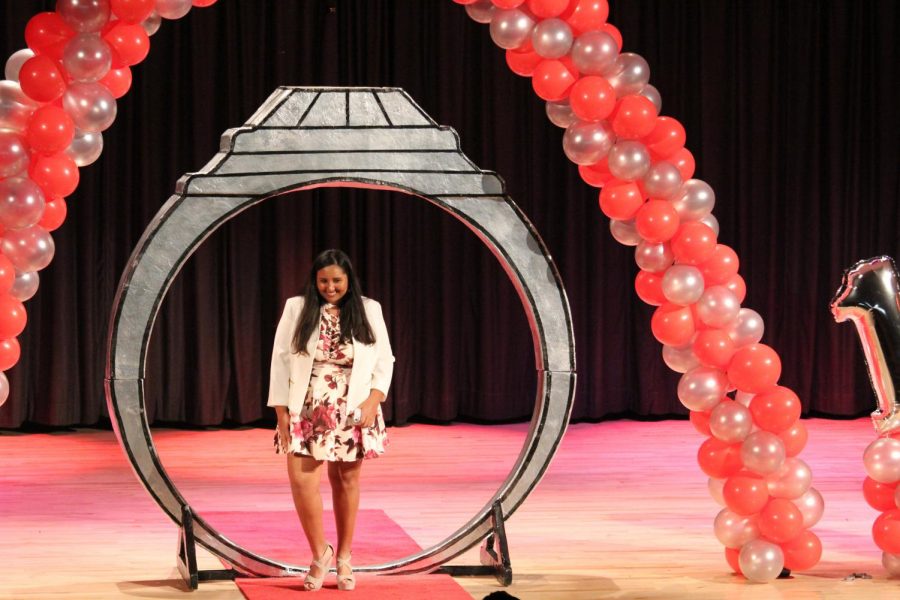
<point>378,539</point>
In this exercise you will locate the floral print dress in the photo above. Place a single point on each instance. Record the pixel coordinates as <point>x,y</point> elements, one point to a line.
<point>321,430</point>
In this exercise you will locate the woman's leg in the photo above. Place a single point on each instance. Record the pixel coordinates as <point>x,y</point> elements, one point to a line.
<point>344,478</point>
<point>305,473</point>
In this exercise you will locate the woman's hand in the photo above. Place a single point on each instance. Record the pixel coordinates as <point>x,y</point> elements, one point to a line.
<point>284,427</point>
<point>369,408</point>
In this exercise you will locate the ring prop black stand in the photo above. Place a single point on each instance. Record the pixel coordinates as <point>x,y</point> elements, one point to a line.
<point>302,138</point>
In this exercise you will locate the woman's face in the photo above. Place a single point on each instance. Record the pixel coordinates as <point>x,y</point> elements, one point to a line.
<point>331,282</point>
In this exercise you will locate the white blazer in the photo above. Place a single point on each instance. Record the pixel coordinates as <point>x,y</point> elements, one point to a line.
<point>373,364</point>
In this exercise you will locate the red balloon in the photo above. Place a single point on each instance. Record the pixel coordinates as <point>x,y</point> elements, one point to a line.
<point>9,353</point>
<point>780,521</point>
<point>117,81</point>
<point>613,32</point>
<point>746,493</point>
<point>665,139</point>
<point>129,44</point>
<point>684,162</point>
<point>507,4</point>
<point>634,117</point>
<point>803,552</point>
<point>649,288</point>
<point>57,174</point>
<point>205,3</point>
<point>776,410</point>
<point>12,317</point>
<point>886,531</point>
<point>47,34</point>
<point>523,63</point>
<point>620,199</point>
<point>54,214</point>
<point>597,174</point>
<point>718,459</point>
<point>694,243</point>
<point>755,368</point>
<point>736,286</point>
<point>657,221</point>
<point>50,130</point>
<point>733,558</point>
<point>880,496</point>
<point>546,9</point>
<point>721,265</point>
<point>592,98</point>
<point>700,421</point>
<point>586,15</point>
<point>41,79</point>
<point>794,439</point>
<point>7,276</point>
<point>672,324</point>
<point>713,348</point>
<point>132,11</point>
<point>552,80</point>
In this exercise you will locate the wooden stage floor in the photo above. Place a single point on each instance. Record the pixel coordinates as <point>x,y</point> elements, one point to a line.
<point>623,511</point>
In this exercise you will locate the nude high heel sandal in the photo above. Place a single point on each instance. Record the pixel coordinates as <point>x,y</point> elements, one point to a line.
<point>345,583</point>
<point>312,584</point>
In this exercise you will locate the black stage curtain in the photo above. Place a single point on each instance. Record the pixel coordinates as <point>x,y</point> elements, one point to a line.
<point>791,112</point>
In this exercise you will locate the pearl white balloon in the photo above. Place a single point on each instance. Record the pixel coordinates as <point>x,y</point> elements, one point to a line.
<point>511,28</point>
<point>652,94</point>
<point>91,106</point>
<point>881,460</point>
<point>763,452</point>
<point>744,397</point>
<point>481,11</point>
<point>86,147</point>
<point>28,249</point>
<point>13,154</point>
<point>4,388</point>
<point>653,257</point>
<point>560,113</point>
<point>21,202</point>
<point>87,57</point>
<point>891,562</point>
<point>747,328</point>
<point>15,107</point>
<point>712,222</point>
<point>25,286</point>
<point>761,561</point>
<point>625,232</point>
<point>84,15</point>
<point>811,505</point>
<point>662,181</point>
<point>628,160</point>
<point>586,143</point>
<point>151,23</point>
<point>702,388</point>
<point>631,74</point>
<point>716,488</point>
<point>173,9</point>
<point>718,306</point>
<point>15,61</point>
<point>682,284</point>
<point>551,38</point>
<point>696,200</point>
<point>730,422</point>
<point>594,52</point>
<point>680,359</point>
<point>734,530</point>
<point>791,480</point>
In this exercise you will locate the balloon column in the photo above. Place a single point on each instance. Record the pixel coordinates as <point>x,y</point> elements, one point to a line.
<point>615,134</point>
<point>58,96</point>
<point>869,296</point>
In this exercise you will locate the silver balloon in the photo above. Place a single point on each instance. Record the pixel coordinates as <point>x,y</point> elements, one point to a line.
<point>881,460</point>
<point>763,452</point>
<point>662,181</point>
<point>21,202</point>
<point>869,296</point>
<point>551,38</point>
<point>791,480</point>
<point>86,147</point>
<point>682,284</point>
<point>625,232</point>
<point>761,561</point>
<point>511,28</point>
<point>28,249</point>
<point>716,487</point>
<point>744,397</point>
<point>631,74</point>
<point>712,222</point>
<point>84,15</point>
<point>628,160</point>
<point>15,61</point>
<point>481,11</point>
<point>680,359</point>
<point>13,154</point>
<point>890,561</point>
<point>173,9</point>
<point>734,530</point>
<point>15,107</point>
<point>730,422</point>
<point>702,388</point>
<point>812,507</point>
<point>560,113</point>
<point>594,52</point>
<point>25,285</point>
<point>695,201</point>
<point>91,106</point>
<point>653,257</point>
<point>652,94</point>
<point>87,57</point>
<point>586,143</point>
<point>747,328</point>
<point>151,24</point>
<point>718,306</point>
<point>4,388</point>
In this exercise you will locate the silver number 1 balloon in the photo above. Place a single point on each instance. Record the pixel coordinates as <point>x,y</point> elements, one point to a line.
<point>870,297</point>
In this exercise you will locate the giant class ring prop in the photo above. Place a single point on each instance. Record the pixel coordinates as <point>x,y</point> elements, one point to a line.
<point>303,138</point>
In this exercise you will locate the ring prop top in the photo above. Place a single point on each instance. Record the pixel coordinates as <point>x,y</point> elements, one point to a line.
<point>303,138</point>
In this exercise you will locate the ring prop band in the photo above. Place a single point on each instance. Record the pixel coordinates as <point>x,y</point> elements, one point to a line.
<point>302,138</point>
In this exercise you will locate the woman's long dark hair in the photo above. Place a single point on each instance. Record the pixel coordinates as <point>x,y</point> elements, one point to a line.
<point>354,323</point>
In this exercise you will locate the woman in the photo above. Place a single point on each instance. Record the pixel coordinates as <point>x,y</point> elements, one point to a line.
<point>331,369</point>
